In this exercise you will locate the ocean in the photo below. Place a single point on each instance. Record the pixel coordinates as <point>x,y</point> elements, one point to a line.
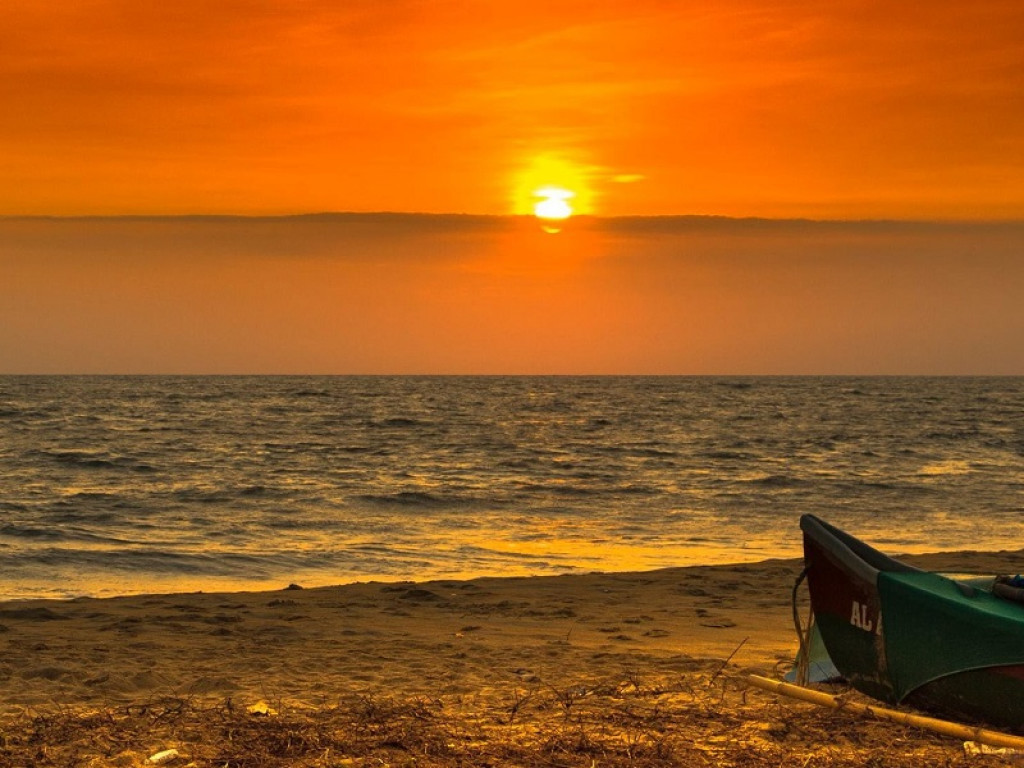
<point>124,485</point>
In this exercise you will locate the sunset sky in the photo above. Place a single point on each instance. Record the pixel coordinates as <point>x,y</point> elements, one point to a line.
<point>748,111</point>
<point>733,107</point>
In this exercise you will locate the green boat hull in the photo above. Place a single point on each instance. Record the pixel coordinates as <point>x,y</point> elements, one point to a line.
<point>902,635</point>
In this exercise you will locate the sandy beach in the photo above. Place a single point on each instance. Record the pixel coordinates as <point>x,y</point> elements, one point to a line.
<point>595,669</point>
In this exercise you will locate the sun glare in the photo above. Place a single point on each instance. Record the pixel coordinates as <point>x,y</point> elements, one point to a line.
<point>553,203</point>
<point>552,188</point>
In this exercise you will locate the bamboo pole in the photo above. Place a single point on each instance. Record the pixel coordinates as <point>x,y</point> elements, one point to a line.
<point>966,732</point>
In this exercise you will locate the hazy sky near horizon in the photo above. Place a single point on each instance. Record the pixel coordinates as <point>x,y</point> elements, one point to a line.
<point>457,295</point>
<point>845,109</point>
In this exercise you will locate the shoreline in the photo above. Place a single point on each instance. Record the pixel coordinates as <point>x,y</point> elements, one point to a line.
<point>434,637</point>
<point>175,585</point>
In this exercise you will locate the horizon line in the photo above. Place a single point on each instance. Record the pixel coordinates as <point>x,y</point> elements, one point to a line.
<point>508,217</point>
<point>365,375</point>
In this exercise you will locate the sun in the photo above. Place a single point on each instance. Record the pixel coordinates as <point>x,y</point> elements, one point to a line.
<point>553,187</point>
<point>553,203</point>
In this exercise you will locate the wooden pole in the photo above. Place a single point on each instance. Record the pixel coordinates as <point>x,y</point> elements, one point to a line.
<point>966,732</point>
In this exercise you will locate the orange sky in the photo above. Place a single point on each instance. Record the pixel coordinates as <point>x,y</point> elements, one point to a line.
<point>735,107</point>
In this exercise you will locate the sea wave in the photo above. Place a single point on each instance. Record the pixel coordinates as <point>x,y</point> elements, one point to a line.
<point>263,477</point>
<point>63,534</point>
<point>91,459</point>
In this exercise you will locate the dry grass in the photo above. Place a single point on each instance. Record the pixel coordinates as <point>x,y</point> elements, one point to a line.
<point>696,719</point>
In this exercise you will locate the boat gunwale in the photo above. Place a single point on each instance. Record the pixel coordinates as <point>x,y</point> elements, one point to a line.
<point>861,559</point>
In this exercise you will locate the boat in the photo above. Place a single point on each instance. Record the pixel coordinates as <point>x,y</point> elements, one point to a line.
<point>903,635</point>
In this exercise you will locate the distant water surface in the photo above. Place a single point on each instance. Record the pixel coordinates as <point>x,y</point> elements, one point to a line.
<point>117,485</point>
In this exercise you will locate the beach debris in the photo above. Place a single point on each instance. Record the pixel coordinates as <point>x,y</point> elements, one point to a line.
<point>975,749</point>
<point>670,720</point>
<point>261,709</point>
<point>725,663</point>
<point>163,757</point>
<point>945,727</point>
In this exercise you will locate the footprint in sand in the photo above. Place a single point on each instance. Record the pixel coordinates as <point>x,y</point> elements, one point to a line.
<point>656,633</point>
<point>414,594</point>
<point>46,673</point>
<point>31,614</point>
